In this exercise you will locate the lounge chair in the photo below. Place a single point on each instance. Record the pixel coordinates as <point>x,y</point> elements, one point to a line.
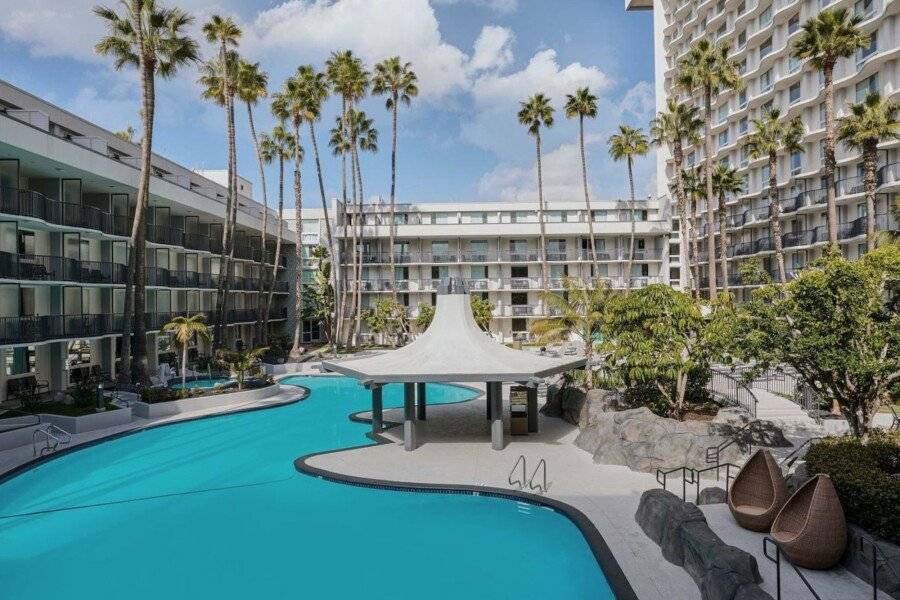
<point>757,493</point>
<point>811,529</point>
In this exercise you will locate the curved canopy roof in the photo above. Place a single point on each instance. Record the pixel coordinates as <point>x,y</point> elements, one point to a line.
<point>453,348</point>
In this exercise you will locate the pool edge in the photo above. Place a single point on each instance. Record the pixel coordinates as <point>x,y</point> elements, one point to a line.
<point>605,558</point>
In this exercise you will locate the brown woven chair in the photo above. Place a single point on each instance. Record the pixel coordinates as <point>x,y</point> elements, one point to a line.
<point>757,493</point>
<point>811,529</point>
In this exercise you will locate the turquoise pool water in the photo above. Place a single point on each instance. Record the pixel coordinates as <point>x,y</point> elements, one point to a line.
<point>199,383</point>
<point>214,508</point>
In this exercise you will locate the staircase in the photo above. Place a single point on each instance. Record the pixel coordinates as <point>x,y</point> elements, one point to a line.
<point>780,410</point>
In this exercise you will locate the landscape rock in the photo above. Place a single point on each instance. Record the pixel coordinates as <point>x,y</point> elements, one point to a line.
<point>712,495</point>
<point>579,406</point>
<point>722,572</point>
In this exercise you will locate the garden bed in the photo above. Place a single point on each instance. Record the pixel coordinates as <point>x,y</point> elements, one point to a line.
<point>169,402</point>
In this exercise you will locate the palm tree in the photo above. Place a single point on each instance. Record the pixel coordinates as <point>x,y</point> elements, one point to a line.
<point>349,77</point>
<point>240,362</point>
<point>707,68</point>
<point>827,37</point>
<point>677,125</point>
<point>695,189</point>
<point>126,134</point>
<point>537,112</point>
<point>280,145</point>
<point>291,104</point>
<point>577,312</point>
<point>184,329</point>
<point>219,79</point>
<point>583,104</point>
<point>627,144</point>
<point>725,181</point>
<point>251,87</point>
<point>316,91</point>
<point>398,80</point>
<point>151,39</point>
<point>770,136</point>
<point>870,122</point>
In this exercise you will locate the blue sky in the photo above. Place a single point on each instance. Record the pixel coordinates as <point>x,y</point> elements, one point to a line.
<point>459,141</point>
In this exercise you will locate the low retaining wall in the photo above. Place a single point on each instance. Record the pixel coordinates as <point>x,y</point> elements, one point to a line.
<point>176,407</point>
<point>100,420</point>
<point>17,437</point>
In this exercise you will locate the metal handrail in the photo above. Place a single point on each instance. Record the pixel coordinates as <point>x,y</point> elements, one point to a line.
<point>885,562</point>
<point>523,481</point>
<point>684,479</point>
<point>792,457</point>
<point>542,467</point>
<point>58,435</point>
<point>777,561</point>
<point>698,474</point>
<point>714,453</point>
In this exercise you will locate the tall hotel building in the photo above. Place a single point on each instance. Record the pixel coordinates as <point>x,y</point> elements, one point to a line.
<point>760,34</point>
<point>67,196</point>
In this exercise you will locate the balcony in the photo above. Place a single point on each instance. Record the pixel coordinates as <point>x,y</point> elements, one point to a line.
<point>852,228</point>
<point>57,268</point>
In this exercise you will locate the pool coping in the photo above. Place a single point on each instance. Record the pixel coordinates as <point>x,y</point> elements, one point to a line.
<point>40,460</point>
<point>606,560</point>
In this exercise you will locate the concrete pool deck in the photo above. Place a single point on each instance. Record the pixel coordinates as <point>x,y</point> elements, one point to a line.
<point>454,449</point>
<point>21,456</point>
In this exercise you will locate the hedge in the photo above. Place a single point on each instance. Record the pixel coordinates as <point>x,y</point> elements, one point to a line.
<point>864,475</point>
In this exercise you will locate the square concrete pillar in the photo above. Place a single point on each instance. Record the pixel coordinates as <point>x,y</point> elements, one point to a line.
<point>496,403</point>
<point>421,401</point>
<point>532,410</point>
<point>377,409</point>
<point>409,416</point>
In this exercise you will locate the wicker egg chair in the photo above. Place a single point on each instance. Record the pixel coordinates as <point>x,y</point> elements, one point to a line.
<point>757,493</point>
<point>811,529</point>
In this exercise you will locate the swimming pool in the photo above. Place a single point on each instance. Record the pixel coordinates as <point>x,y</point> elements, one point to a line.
<point>214,508</point>
<point>204,383</point>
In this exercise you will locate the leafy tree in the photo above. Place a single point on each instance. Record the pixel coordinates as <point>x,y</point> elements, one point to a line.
<point>153,40</point>
<point>578,312</point>
<point>656,336</point>
<point>583,104</point>
<point>483,312</point>
<point>832,325</point>
<point>677,125</point>
<point>830,35</point>
<point>319,299</point>
<point>870,122</point>
<point>126,134</point>
<point>626,145</point>
<point>726,182</point>
<point>537,112</point>
<point>388,318</point>
<point>425,316</point>
<point>396,79</point>
<point>183,330</point>
<point>708,68</point>
<point>240,362</point>
<point>770,136</point>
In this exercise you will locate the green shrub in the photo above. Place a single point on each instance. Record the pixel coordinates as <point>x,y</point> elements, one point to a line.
<point>864,476</point>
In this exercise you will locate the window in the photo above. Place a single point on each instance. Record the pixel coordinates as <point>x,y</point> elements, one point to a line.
<point>723,138</point>
<point>764,175</point>
<point>794,93</point>
<point>765,17</point>
<point>864,8</point>
<point>745,156</point>
<point>720,31</point>
<point>742,39</point>
<point>796,163</point>
<point>478,217</point>
<point>691,159</point>
<point>401,218</point>
<point>765,49</point>
<point>765,82</point>
<point>793,64</point>
<point>866,86</point>
<point>794,24</point>
<point>742,7</point>
<point>864,53</point>
<point>553,216</point>
<point>742,98</point>
<point>746,183</point>
<point>723,113</point>
<point>822,115</point>
<point>743,125</point>
<point>479,272</point>
<point>598,215</point>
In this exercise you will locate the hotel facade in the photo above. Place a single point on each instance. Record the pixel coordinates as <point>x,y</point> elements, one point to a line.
<point>760,34</point>
<point>67,196</point>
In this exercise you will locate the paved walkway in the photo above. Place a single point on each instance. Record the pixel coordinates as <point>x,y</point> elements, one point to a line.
<point>454,448</point>
<point>15,457</point>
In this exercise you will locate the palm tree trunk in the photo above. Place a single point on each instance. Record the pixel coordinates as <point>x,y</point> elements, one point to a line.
<point>274,277</point>
<point>184,355</point>
<point>630,262</point>
<point>775,216</point>
<point>723,241</point>
<point>335,283</point>
<point>545,269</point>
<point>357,325</point>
<point>137,264</point>
<point>684,248</point>
<point>870,165</point>
<point>695,247</point>
<point>828,72</point>
<point>708,160</point>
<point>297,348</point>
<point>391,226</point>
<point>587,198</point>
<point>261,333</point>
<point>346,323</point>
<point>228,232</point>
<point>357,257</point>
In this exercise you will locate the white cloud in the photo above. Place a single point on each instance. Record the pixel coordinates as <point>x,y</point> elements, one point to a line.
<point>300,30</point>
<point>52,29</point>
<point>640,101</point>
<point>493,49</point>
<point>501,6</point>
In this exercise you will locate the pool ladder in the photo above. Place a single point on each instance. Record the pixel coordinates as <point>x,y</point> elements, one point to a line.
<point>519,479</point>
<point>53,438</point>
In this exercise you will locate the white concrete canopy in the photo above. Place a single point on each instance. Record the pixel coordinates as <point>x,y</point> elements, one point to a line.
<point>453,349</point>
